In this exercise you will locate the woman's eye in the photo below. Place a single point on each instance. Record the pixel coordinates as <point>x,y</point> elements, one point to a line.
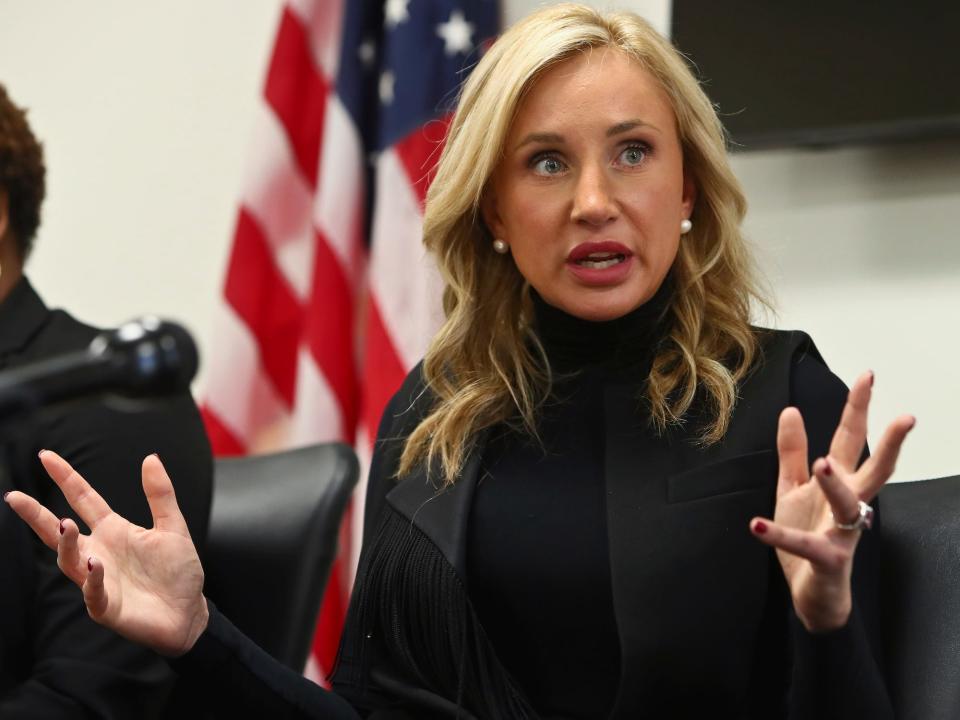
<point>633,155</point>
<point>548,165</point>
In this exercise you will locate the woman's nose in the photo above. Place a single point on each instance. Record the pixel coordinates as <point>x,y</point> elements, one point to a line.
<point>593,201</point>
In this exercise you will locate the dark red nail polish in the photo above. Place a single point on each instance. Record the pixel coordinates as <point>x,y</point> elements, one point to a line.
<point>827,470</point>
<point>760,527</point>
<point>872,378</point>
<point>61,527</point>
<point>89,564</point>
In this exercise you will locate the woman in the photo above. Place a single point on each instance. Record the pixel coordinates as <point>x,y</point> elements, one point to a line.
<point>562,495</point>
<point>55,662</point>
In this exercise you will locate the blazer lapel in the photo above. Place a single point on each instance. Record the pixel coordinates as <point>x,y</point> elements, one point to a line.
<point>442,515</point>
<point>689,581</point>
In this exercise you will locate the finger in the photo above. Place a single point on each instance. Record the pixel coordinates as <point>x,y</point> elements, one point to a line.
<point>68,554</point>
<point>844,502</point>
<point>880,466</point>
<point>94,590</point>
<point>82,498</point>
<point>815,547</point>
<point>160,496</point>
<point>850,437</point>
<point>792,451</point>
<point>43,522</point>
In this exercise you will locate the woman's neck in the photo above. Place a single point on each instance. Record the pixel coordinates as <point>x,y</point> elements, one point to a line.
<point>11,267</point>
<point>572,343</point>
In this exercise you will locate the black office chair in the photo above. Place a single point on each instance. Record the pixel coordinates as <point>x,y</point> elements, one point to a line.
<point>272,540</point>
<point>920,582</point>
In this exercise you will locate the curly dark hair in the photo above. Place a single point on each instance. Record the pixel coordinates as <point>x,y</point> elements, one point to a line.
<point>22,173</point>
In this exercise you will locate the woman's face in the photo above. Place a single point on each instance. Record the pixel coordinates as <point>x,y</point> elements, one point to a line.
<point>591,191</point>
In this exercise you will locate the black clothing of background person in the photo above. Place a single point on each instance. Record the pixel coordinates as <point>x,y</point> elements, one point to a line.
<point>701,611</point>
<point>54,661</point>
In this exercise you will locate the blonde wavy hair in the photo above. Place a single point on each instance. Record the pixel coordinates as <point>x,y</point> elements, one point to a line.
<point>485,366</point>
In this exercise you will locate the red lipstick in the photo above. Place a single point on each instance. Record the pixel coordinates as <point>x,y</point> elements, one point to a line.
<point>600,263</point>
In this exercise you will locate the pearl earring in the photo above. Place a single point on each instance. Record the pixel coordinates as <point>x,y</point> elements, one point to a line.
<point>501,246</point>
<point>685,226</point>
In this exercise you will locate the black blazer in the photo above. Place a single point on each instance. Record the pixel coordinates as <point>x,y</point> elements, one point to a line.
<point>702,609</point>
<point>54,661</point>
<point>704,617</point>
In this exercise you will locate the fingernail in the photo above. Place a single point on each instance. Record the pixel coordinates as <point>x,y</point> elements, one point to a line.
<point>913,423</point>
<point>157,456</point>
<point>40,454</point>
<point>5,495</point>
<point>760,527</point>
<point>827,470</point>
<point>872,378</point>
<point>89,564</point>
<point>61,526</point>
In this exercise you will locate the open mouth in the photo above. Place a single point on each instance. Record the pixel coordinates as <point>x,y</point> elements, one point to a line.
<point>601,260</point>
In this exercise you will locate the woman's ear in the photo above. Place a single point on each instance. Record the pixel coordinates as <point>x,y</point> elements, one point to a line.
<point>689,194</point>
<point>490,213</point>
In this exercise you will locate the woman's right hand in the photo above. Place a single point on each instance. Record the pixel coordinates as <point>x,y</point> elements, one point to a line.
<point>146,585</point>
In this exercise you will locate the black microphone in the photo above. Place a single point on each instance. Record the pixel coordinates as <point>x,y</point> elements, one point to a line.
<point>144,358</point>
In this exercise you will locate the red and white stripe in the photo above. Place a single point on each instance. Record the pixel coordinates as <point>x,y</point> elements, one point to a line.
<point>315,334</point>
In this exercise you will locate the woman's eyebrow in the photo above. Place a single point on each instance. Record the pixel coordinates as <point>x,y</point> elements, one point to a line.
<point>540,137</point>
<point>628,125</point>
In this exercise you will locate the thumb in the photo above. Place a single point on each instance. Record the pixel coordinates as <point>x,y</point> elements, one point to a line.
<point>161,498</point>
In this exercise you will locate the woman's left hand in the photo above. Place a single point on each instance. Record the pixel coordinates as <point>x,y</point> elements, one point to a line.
<point>815,554</point>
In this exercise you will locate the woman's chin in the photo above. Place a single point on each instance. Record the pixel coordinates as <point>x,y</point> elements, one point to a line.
<point>602,306</point>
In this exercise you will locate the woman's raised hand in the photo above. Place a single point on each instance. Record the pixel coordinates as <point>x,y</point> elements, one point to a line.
<point>816,555</point>
<point>146,585</point>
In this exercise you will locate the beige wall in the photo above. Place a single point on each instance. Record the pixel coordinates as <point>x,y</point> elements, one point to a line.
<point>146,110</point>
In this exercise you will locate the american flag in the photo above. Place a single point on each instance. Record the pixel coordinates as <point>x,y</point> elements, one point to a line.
<point>329,299</point>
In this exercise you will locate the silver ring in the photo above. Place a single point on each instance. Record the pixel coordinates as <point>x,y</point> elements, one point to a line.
<point>863,521</point>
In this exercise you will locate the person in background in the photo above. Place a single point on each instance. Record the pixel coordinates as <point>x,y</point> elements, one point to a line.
<point>604,493</point>
<point>55,662</point>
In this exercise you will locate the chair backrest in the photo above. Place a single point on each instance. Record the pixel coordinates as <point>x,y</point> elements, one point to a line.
<point>272,540</point>
<point>920,582</point>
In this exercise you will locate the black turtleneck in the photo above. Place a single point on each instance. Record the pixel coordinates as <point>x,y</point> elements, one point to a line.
<point>538,555</point>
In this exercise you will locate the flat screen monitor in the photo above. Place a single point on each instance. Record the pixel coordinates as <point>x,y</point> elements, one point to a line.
<point>824,73</point>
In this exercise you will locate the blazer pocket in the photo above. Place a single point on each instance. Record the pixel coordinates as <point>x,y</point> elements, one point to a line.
<point>753,471</point>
